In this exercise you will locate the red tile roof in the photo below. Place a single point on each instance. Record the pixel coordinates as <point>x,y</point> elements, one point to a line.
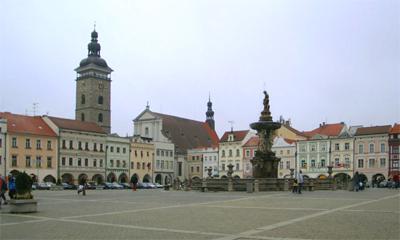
<point>77,125</point>
<point>395,128</point>
<point>331,130</point>
<point>238,135</point>
<point>27,124</point>
<point>186,133</point>
<point>373,130</point>
<point>252,142</point>
<point>290,141</point>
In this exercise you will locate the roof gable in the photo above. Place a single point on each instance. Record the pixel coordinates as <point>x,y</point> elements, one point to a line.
<point>395,129</point>
<point>330,130</point>
<point>76,125</point>
<point>27,124</point>
<point>237,135</point>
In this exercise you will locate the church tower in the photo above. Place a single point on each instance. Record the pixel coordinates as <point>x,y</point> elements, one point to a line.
<point>210,115</point>
<point>93,88</point>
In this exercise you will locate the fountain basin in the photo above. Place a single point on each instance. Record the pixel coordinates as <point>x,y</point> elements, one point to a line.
<point>265,125</point>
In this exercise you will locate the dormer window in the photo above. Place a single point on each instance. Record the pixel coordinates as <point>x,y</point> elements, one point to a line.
<point>230,138</point>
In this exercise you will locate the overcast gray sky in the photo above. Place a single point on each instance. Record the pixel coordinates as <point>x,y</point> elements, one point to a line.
<point>319,60</point>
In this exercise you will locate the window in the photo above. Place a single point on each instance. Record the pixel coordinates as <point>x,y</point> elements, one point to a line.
<point>337,162</point>
<point>63,161</point>
<point>148,154</point>
<point>100,100</point>
<point>237,152</point>
<point>94,163</point>
<point>197,158</point>
<point>191,169</point>
<point>223,167</point>
<point>287,152</point>
<point>95,147</point>
<point>124,164</point>
<point>371,163</point>
<point>117,149</point>
<point>360,163</point>
<point>287,164</point>
<point>38,144</point>
<point>158,164</point>
<point>14,160</point>
<point>143,165</point>
<point>79,162</point>
<point>197,169</point>
<point>80,145</point>
<point>70,162</point>
<point>313,148</point>
<point>27,143</point>
<point>138,165</point>
<point>124,150</point>
<point>347,146</point>
<point>371,148</point>
<point>237,166</point>
<point>86,146</point>
<point>48,162</point>
<point>71,145</point>
<point>135,153</point>
<point>313,163</point>
<point>323,164</point>
<point>132,165</point>
<point>179,169</point>
<point>347,163</point>
<point>162,153</point>
<point>83,100</point>
<point>303,164</point>
<point>281,152</point>
<point>280,165</point>
<point>101,162</point>
<point>118,164</point>
<point>64,144</point>
<point>302,148</point>
<point>100,118</point>
<point>141,154</point>
<point>205,158</point>
<point>111,163</point>
<point>82,117</point>
<point>28,161</point>
<point>38,161</point>
<point>223,153</point>
<point>162,164</point>
<point>230,152</point>
<point>383,162</point>
<point>48,145</point>
<point>382,147</point>
<point>86,162</point>
<point>14,142</point>
<point>360,148</point>
<point>1,142</point>
<point>337,146</point>
<point>146,131</point>
<point>101,147</point>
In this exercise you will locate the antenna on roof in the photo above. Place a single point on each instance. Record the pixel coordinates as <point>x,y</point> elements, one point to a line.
<point>231,122</point>
<point>35,108</point>
<point>147,105</point>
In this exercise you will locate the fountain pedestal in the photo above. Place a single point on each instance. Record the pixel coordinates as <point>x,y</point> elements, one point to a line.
<point>265,163</point>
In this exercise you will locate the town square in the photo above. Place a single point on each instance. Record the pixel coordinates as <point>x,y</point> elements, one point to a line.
<point>200,119</point>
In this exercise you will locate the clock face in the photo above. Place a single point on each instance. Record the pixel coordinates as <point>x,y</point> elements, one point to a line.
<point>101,86</point>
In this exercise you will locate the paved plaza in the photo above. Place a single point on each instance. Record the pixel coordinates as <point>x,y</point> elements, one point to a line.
<point>159,214</point>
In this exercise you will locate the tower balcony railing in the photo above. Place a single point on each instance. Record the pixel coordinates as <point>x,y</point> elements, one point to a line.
<point>94,75</point>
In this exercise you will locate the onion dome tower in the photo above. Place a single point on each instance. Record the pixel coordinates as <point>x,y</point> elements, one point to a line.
<point>93,87</point>
<point>210,115</point>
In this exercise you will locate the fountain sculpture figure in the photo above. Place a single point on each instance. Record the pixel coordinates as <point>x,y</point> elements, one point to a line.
<point>265,163</point>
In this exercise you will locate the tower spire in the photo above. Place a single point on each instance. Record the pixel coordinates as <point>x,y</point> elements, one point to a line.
<point>210,114</point>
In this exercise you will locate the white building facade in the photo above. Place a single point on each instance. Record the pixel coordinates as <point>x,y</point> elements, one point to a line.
<point>117,159</point>
<point>286,151</point>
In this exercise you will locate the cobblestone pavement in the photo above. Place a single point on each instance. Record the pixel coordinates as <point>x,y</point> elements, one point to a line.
<point>158,214</point>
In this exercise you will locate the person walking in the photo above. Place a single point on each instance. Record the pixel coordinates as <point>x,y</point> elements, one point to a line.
<point>356,182</point>
<point>11,187</point>
<point>3,189</point>
<point>300,181</point>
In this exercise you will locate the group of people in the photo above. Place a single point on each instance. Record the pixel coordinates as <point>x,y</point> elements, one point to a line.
<point>7,185</point>
<point>298,183</point>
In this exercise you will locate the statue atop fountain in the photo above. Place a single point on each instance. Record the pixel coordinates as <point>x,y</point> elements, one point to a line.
<point>265,163</point>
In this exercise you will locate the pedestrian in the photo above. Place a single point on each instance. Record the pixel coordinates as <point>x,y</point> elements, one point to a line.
<point>300,181</point>
<point>80,188</point>
<point>295,186</point>
<point>11,187</point>
<point>3,189</point>
<point>356,182</point>
<point>396,179</point>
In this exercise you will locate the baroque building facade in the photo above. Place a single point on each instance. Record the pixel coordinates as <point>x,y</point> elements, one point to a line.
<point>82,150</point>
<point>31,147</point>
<point>142,159</point>
<point>117,158</point>
<point>372,152</point>
<point>394,146</point>
<point>285,149</point>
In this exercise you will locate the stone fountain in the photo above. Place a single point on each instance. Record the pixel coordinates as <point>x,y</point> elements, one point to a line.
<point>265,163</point>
